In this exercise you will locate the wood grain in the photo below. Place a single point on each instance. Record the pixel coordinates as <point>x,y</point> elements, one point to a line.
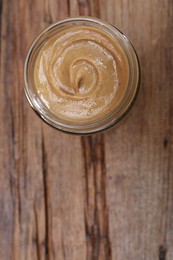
<point>103,197</point>
<point>96,212</point>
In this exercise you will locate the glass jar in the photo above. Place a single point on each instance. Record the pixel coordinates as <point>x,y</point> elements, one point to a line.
<point>79,127</point>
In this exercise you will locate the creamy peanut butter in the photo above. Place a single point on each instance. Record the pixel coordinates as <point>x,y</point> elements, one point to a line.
<point>81,74</point>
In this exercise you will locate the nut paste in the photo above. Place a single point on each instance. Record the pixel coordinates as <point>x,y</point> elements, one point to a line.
<point>81,74</point>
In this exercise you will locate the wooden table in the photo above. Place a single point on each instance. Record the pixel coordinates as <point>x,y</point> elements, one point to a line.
<point>105,197</point>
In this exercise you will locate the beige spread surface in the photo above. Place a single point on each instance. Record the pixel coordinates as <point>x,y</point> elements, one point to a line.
<point>81,74</point>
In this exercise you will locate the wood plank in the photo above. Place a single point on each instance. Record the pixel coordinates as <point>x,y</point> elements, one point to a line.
<point>139,152</point>
<point>107,196</point>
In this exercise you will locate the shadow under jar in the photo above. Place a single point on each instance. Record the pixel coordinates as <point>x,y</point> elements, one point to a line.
<point>81,75</point>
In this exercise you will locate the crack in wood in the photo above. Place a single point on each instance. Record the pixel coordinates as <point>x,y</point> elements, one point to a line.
<point>68,7</point>
<point>165,142</point>
<point>82,3</point>
<point>12,179</point>
<point>88,7</point>
<point>44,170</point>
<point>48,17</point>
<point>97,8</point>
<point>162,252</point>
<point>37,234</point>
<point>63,248</point>
<point>83,7</point>
<point>94,7</point>
<point>96,211</point>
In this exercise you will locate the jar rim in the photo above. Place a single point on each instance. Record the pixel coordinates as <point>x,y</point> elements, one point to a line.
<point>91,127</point>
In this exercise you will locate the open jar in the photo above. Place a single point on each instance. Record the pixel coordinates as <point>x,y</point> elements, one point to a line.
<point>81,75</point>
